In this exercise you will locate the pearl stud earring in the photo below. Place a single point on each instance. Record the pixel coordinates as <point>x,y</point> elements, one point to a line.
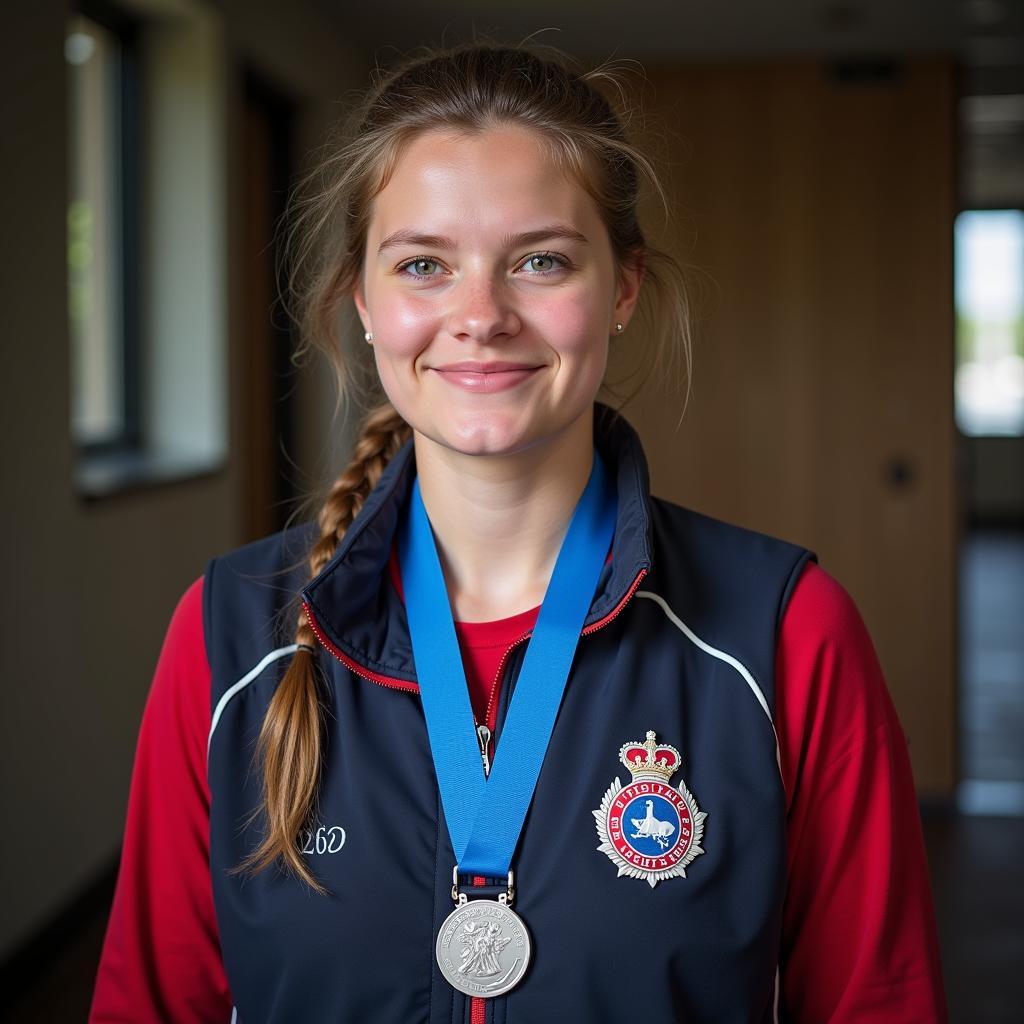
<point>618,327</point>
<point>368,336</point>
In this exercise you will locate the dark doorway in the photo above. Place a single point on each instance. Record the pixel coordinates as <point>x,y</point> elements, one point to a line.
<point>267,427</point>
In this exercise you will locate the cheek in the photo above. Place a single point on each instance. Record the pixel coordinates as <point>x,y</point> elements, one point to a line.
<point>397,377</point>
<point>573,324</point>
<point>404,324</point>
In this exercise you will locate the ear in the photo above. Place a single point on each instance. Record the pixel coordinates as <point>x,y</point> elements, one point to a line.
<point>627,292</point>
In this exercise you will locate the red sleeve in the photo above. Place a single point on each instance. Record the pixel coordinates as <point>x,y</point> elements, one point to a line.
<point>161,957</point>
<point>859,937</point>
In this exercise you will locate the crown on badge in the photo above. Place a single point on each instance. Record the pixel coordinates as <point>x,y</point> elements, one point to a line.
<point>650,760</point>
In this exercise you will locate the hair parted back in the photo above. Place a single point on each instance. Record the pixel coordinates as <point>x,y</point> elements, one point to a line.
<point>468,88</point>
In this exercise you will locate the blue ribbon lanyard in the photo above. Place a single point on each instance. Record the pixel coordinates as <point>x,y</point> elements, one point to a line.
<point>485,814</point>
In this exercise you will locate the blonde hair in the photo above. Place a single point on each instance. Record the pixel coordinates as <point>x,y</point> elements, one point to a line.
<point>466,88</point>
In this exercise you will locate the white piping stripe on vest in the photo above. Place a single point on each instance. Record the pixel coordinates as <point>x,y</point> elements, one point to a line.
<point>234,1015</point>
<point>727,658</point>
<point>241,684</point>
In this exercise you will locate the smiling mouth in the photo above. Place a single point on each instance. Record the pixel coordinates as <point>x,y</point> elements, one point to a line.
<point>486,382</point>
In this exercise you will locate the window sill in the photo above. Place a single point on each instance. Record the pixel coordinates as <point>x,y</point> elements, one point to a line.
<point>104,475</point>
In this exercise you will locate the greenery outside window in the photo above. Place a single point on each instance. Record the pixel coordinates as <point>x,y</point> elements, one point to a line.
<point>102,226</point>
<point>989,382</point>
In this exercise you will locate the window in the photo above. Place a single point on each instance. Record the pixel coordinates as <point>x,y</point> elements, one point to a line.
<point>989,381</point>
<point>102,221</point>
<point>146,242</point>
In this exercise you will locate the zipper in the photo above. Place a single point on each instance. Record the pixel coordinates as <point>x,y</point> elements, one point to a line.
<point>485,731</point>
<point>483,736</point>
<point>491,714</point>
<point>477,1010</point>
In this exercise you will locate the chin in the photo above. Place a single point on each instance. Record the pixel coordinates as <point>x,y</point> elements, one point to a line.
<point>487,432</point>
<point>497,432</point>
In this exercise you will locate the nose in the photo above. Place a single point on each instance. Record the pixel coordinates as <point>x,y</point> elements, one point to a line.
<point>482,309</point>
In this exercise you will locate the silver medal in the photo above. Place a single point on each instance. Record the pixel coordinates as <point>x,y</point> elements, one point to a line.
<point>483,947</point>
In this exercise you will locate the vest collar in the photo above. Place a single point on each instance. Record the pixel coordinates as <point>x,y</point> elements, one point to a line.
<point>355,611</point>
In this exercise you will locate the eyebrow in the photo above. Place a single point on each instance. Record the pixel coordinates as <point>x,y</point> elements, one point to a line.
<point>406,236</point>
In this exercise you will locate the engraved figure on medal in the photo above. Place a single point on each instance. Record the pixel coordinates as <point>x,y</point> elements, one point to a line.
<point>649,829</point>
<point>482,944</point>
<point>483,948</point>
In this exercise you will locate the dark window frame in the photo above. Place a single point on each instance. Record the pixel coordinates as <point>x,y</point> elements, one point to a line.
<point>129,156</point>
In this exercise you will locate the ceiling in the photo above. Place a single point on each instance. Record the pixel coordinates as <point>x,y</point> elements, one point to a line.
<point>986,35</point>
<point>648,29</point>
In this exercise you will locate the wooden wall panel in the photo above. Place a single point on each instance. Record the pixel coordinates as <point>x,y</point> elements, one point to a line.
<point>821,215</point>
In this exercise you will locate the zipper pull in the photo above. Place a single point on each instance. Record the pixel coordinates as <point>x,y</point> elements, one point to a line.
<point>483,735</point>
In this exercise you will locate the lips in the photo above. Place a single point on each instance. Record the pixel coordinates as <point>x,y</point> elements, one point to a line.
<point>494,366</point>
<point>486,378</point>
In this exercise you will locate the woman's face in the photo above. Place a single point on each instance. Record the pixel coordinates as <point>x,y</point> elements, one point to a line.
<point>481,253</point>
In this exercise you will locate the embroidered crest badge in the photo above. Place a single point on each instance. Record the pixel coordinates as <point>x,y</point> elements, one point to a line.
<point>649,829</point>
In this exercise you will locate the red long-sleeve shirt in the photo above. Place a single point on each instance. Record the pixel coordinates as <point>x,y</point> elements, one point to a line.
<point>859,939</point>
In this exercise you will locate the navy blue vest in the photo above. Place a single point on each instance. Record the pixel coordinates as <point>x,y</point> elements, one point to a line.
<point>680,639</point>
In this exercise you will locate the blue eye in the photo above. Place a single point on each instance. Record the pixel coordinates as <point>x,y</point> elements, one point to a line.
<point>419,263</point>
<point>540,264</point>
<point>533,260</point>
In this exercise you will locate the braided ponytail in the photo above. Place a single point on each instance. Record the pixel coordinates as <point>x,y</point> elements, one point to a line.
<point>291,740</point>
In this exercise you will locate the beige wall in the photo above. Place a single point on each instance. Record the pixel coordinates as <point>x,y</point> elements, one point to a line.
<point>820,215</point>
<point>90,588</point>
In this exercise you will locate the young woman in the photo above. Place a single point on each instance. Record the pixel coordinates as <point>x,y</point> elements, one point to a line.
<point>501,736</point>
